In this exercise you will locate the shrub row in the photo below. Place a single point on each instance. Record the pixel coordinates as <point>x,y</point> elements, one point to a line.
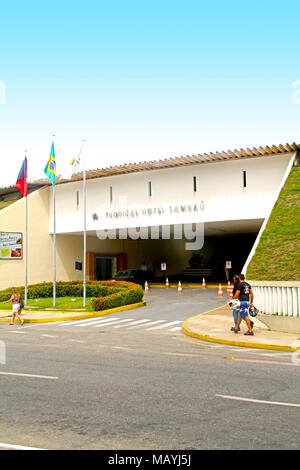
<point>125,296</point>
<point>104,294</point>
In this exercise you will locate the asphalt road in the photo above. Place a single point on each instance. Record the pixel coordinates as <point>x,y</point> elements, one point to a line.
<point>89,386</point>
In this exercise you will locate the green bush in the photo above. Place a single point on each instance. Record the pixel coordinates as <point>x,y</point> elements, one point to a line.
<point>126,295</point>
<point>103,294</point>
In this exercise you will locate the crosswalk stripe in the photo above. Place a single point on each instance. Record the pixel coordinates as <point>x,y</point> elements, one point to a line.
<point>164,325</point>
<point>177,328</point>
<point>91,321</point>
<point>113,323</point>
<point>85,320</point>
<point>99,322</point>
<point>155,322</point>
<point>129,323</point>
<point>138,324</point>
<point>123,321</point>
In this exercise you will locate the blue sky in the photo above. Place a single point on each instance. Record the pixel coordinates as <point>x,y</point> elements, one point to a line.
<point>145,80</point>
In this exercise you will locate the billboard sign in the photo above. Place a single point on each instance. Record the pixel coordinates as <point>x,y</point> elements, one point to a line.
<point>11,245</point>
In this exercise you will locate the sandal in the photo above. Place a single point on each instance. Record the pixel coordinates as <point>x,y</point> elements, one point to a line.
<point>249,333</point>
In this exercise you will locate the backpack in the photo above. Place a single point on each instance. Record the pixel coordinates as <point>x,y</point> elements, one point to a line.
<point>21,303</point>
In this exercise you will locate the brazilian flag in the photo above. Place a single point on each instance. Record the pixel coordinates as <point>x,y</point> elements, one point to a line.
<point>50,168</point>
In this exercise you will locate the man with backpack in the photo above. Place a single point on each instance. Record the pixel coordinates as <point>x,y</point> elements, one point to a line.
<point>235,311</point>
<point>245,295</point>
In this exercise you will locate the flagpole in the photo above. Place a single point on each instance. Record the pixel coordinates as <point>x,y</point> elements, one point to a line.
<point>54,243</point>
<point>54,248</point>
<point>26,242</point>
<point>84,231</point>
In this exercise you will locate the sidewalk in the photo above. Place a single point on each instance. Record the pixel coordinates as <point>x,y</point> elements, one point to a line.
<point>215,325</point>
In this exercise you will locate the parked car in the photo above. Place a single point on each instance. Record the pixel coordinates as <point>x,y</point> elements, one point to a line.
<point>134,275</point>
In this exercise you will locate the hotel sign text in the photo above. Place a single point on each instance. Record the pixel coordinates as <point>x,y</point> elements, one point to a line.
<point>160,211</point>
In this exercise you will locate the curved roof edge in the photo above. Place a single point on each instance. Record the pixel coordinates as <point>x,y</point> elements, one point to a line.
<point>174,162</point>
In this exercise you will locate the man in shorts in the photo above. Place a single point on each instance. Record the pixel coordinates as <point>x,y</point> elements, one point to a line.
<point>245,295</point>
<point>235,311</point>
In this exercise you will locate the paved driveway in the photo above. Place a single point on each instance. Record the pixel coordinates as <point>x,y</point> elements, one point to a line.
<point>168,304</point>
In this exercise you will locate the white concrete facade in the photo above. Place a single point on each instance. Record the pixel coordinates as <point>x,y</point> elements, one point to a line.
<point>125,201</point>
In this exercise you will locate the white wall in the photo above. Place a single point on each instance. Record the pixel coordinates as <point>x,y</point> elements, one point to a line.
<point>219,187</point>
<point>40,244</point>
<point>12,219</point>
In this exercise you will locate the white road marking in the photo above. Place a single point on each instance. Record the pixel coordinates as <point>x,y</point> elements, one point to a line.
<point>98,322</point>
<point>126,320</point>
<point>84,320</point>
<point>18,332</point>
<point>252,400</point>
<point>29,375</point>
<point>164,325</point>
<point>116,322</point>
<point>155,322</point>
<point>113,323</point>
<point>138,323</point>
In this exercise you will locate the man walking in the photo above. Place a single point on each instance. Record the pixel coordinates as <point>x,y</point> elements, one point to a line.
<point>235,311</point>
<point>245,295</point>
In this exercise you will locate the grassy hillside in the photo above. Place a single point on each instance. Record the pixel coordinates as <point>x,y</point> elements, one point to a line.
<point>277,256</point>
<point>5,204</point>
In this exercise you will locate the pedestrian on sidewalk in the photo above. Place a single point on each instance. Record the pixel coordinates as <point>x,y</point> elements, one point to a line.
<point>235,311</point>
<point>16,306</point>
<point>245,295</point>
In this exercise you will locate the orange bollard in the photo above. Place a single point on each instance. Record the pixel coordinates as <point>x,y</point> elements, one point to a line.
<point>228,288</point>
<point>203,283</point>
<point>179,288</point>
<point>146,287</point>
<point>167,283</point>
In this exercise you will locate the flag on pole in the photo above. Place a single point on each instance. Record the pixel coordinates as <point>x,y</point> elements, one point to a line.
<point>76,163</point>
<point>21,183</point>
<point>50,168</point>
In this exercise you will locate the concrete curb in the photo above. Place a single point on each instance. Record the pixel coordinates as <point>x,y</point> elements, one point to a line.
<point>189,332</point>
<point>76,317</point>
